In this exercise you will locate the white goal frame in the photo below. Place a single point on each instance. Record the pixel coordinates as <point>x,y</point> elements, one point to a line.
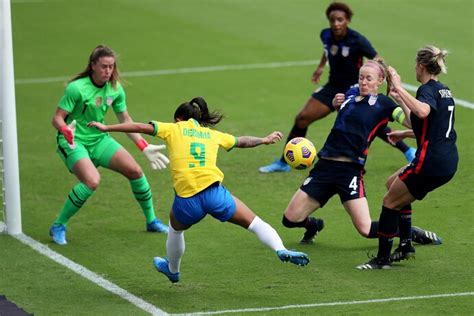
<point>10,170</point>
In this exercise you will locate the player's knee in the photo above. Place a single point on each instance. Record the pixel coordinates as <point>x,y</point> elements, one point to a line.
<point>133,172</point>
<point>291,224</point>
<point>92,182</point>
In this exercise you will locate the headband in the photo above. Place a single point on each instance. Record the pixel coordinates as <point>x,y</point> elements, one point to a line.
<point>375,65</point>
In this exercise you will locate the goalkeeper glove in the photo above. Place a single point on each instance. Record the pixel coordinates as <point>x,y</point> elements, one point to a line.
<point>68,133</point>
<point>157,160</point>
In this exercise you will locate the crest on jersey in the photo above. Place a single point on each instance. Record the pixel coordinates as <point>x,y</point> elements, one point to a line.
<point>109,100</point>
<point>372,99</point>
<point>98,101</point>
<point>345,51</point>
<point>334,49</point>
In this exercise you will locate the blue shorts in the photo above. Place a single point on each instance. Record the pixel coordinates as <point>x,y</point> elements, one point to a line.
<point>215,200</point>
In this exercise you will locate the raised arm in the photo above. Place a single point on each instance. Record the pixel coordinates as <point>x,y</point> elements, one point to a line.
<point>252,141</point>
<point>420,109</point>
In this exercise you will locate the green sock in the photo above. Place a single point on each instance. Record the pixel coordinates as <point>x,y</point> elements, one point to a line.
<point>142,192</point>
<point>75,199</point>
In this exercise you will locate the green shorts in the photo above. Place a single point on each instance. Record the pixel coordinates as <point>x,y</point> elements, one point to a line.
<point>100,153</point>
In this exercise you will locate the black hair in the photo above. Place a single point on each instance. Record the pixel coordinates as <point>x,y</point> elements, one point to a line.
<point>197,109</point>
<point>339,6</point>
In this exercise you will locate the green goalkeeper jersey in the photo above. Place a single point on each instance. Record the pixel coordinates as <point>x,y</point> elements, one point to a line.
<point>86,102</point>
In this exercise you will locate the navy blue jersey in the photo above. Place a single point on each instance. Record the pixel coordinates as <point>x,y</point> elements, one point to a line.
<point>437,154</point>
<point>356,125</point>
<point>345,56</point>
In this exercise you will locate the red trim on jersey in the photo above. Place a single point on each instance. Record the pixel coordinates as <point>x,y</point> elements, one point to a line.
<point>373,133</point>
<point>405,211</point>
<point>424,147</point>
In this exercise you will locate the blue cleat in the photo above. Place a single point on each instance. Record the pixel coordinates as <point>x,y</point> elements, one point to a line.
<point>295,257</point>
<point>161,264</point>
<point>58,232</point>
<point>276,166</point>
<point>410,154</point>
<point>156,226</point>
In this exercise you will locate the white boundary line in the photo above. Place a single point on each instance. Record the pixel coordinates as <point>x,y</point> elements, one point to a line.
<point>188,70</point>
<point>381,300</point>
<point>86,273</point>
<point>147,307</point>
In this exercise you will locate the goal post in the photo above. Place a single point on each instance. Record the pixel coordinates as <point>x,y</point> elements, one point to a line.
<point>10,170</point>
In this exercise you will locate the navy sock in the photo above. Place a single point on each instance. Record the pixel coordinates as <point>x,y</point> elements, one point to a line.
<point>388,226</point>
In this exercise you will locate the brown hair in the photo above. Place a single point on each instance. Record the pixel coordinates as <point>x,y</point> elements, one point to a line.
<point>433,59</point>
<point>98,52</point>
<point>339,6</point>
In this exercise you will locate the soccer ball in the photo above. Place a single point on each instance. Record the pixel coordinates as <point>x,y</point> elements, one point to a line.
<point>299,153</point>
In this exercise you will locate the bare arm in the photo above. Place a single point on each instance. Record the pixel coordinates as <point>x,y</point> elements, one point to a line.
<point>252,141</point>
<point>58,118</point>
<point>131,128</point>
<point>420,109</point>
<point>396,136</point>
<point>319,71</point>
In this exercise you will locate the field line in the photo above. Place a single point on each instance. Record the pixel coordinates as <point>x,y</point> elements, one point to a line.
<point>381,300</point>
<point>86,273</point>
<point>188,70</point>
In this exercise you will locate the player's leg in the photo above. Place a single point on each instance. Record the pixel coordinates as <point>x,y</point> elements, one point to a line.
<point>358,210</point>
<point>113,156</point>
<point>313,110</point>
<point>297,216</point>
<point>408,152</point>
<point>78,162</point>
<point>244,217</point>
<point>175,247</point>
<point>397,197</point>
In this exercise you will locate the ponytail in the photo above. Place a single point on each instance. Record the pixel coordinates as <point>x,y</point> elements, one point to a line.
<point>197,109</point>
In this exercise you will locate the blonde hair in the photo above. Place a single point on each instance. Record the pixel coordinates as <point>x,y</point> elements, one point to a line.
<point>433,59</point>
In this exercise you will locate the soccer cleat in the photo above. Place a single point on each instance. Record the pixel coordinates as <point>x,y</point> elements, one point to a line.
<point>58,232</point>
<point>424,237</point>
<point>276,166</point>
<point>317,225</point>
<point>404,252</point>
<point>374,264</point>
<point>161,264</point>
<point>295,257</point>
<point>410,154</point>
<point>157,226</point>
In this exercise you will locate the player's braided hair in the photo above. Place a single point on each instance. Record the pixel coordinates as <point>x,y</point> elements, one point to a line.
<point>198,110</point>
<point>98,52</point>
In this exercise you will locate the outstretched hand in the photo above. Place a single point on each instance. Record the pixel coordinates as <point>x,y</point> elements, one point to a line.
<point>273,138</point>
<point>101,127</point>
<point>395,136</point>
<point>157,160</point>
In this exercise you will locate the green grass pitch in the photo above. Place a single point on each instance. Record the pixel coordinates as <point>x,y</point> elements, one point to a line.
<point>225,267</point>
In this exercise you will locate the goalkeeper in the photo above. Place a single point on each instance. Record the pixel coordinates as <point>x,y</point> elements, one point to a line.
<point>88,97</point>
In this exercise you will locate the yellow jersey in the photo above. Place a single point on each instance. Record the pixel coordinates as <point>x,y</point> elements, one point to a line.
<point>192,151</point>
